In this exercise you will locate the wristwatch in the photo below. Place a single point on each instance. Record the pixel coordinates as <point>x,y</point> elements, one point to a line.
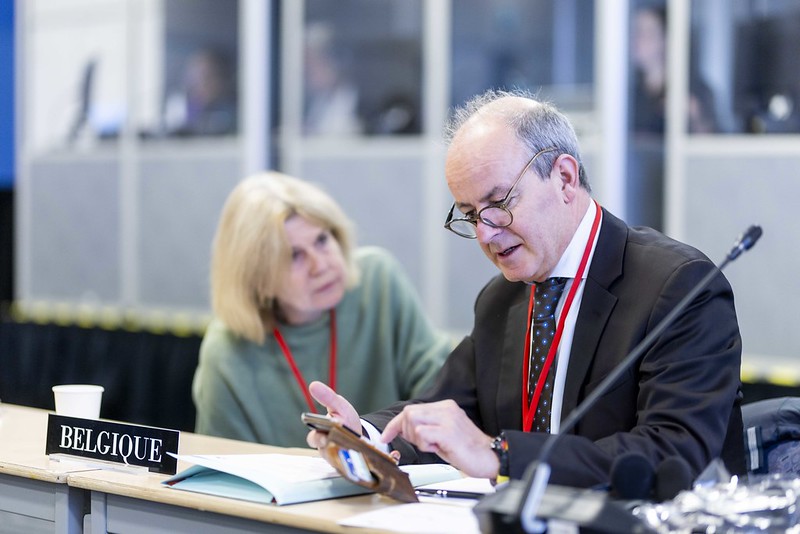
<point>500,447</point>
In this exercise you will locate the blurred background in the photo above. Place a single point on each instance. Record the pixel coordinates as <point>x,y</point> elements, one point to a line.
<point>125,123</point>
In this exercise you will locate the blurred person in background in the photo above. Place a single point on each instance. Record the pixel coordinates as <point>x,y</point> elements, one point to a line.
<point>649,53</point>
<point>206,103</point>
<point>331,96</point>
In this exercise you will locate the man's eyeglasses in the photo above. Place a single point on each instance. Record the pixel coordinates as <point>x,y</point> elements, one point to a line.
<point>496,215</point>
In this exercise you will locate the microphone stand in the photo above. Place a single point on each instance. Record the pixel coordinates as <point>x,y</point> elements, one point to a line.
<point>538,473</point>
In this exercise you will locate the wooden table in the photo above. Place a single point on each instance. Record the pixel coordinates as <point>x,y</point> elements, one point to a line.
<point>34,495</point>
<point>41,495</point>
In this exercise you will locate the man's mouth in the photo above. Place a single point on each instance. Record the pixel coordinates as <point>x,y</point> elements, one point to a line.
<point>507,252</point>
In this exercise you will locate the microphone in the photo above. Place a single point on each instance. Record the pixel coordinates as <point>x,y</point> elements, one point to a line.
<point>745,242</point>
<point>672,476</point>
<point>632,477</point>
<point>537,475</point>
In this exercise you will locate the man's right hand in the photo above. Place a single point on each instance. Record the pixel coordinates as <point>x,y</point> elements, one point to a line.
<point>338,407</point>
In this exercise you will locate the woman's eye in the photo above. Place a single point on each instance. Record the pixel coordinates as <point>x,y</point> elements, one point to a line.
<point>322,238</point>
<point>297,255</point>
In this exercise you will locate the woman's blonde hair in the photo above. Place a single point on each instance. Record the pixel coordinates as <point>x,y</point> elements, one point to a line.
<point>251,254</point>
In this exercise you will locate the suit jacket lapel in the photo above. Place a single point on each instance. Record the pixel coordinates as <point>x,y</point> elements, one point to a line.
<point>596,306</point>
<point>509,391</point>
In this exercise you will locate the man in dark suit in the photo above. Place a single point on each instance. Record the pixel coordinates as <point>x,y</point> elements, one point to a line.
<point>492,407</point>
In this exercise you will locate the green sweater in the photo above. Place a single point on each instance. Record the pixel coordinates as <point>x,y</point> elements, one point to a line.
<point>387,351</point>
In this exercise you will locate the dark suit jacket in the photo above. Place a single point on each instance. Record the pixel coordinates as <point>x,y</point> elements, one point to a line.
<point>682,397</point>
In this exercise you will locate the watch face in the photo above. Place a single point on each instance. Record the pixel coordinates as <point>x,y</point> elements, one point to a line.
<point>499,443</point>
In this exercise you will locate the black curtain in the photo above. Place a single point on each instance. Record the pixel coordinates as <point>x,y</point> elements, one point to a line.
<point>147,376</point>
<point>6,245</point>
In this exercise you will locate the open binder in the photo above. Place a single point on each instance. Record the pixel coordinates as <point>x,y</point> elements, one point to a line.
<point>348,466</point>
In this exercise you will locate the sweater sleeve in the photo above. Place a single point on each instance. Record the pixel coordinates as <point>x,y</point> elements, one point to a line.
<point>214,389</point>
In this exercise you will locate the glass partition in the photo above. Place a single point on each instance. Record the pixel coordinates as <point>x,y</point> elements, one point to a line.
<point>545,46</point>
<point>179,79</point>
<point>364,77</point>
<point>106,88</point>
<point>200,69</point>
<point>647,81</point>
<point>766,77</point>
<point>77,99</point>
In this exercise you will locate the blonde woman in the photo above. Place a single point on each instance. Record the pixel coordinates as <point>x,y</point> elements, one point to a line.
<point>294,301</point>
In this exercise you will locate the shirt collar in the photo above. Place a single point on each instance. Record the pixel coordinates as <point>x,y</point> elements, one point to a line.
<point>567,266</point>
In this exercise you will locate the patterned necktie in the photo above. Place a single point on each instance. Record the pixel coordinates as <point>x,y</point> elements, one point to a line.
<point>544,329</point>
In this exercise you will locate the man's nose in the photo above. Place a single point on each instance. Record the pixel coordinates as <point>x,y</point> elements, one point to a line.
<point>484,233</point>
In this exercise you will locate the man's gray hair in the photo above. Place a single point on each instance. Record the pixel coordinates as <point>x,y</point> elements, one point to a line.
<point>539,126</point>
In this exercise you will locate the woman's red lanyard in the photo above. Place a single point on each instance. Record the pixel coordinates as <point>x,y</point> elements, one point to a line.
<point>298,376</point>
<point>528,410</point>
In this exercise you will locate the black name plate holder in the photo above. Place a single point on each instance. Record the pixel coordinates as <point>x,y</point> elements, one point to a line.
<point>118,443</point>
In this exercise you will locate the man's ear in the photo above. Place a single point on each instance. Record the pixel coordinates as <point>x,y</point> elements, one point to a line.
<point>568,172</point>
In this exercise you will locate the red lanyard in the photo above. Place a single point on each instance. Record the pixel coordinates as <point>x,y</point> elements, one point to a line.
<point>528,410</point>
<point>298,376</point>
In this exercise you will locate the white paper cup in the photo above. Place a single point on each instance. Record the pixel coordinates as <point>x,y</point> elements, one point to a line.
<point>78,400</point>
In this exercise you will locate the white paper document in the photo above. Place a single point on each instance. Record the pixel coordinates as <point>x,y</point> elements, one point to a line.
<point>420,518</point>
<point>432,514</point>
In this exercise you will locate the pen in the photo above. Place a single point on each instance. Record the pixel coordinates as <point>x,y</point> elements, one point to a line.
<point>430,492</point>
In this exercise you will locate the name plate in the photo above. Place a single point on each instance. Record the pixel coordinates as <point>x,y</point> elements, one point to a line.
<point>131,445</point>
